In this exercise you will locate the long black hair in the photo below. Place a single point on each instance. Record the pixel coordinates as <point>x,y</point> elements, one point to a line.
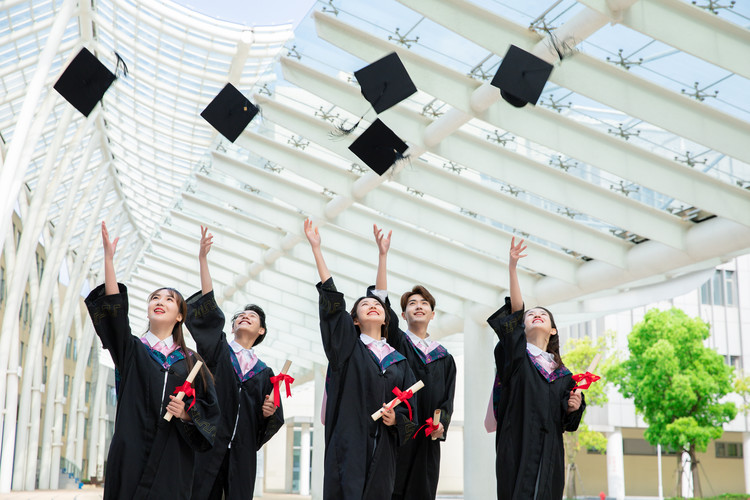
<point>179,337</point>
<point>553,346</point>
<point>384,326</point>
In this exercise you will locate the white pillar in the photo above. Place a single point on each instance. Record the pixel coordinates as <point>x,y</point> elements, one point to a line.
<point>687,477</point>
<point>319,441</point>
<point>615,465</point>
<point>479,372</point>
<point>746,459</point>
<point>304,460</point>
<point>658,468</point>
<point>260,473</point>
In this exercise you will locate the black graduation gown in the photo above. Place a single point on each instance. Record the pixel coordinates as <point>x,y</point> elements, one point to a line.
<point>149,458</point>
<point>240,399</point>
<point>532,417</point>
<point>418,465</point>
<point>360,455</point>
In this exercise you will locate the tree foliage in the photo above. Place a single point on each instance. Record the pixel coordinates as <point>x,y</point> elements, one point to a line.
<point>578,354</point>
<point>676,382</point>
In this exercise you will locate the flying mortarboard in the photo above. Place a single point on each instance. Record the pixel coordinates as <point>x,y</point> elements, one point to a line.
<point>384,83</point>
<point>379,147</point>
<point>521,77</point>
<point>84,81</point>
<point>230,112</point>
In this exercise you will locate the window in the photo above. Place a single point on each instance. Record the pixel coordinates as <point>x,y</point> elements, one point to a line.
<point>734,361</point>
<point>642,447</point>
<point>111,396</point>
<point>2,283</point>
<point>87,393</point>
<point>75,350</point>
<point>65,424</point>
<point>85,431</point>
<point>44,371</point>
<point>20,354</point>
<point>24,313</point>
<point>296,451</point>
<point>40,264</point>
<point>68,347</point>
<point>721,289</point>
<point>728,450</point>
<point>66,385</point>
<point>48,329</point>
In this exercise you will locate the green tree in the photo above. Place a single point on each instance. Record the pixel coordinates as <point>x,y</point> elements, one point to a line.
<point>578,354</point>
<point>676,383</point>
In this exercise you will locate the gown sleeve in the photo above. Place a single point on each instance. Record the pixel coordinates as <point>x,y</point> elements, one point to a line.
<point>571,421</point>
<point>336,326</point>
<point>446,406</point>
<point>200,431</point>
<point>509,328</point>
<point>405,428</point>
<point>109,314</point>
<point>205,320</point>
<point>396,337</point>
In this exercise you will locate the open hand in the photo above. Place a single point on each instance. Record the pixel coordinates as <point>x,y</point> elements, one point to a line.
<point>516,251</point>
<point>383,241</point>
<point>109,246</point>
<point>207,239</point>
<point>311,231</point>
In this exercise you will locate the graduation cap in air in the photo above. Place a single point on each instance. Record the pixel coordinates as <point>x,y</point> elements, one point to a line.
<point>379,147</point>
<point>84,81</point>
<point>230,112</point>
<point>384,84</point>
<point>521,77</point>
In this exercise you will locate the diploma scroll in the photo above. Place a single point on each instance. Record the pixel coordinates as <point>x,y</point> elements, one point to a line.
<point>180,395</point>
<point>396,401</point>
<point>436,420</point>
<point>283,372</point>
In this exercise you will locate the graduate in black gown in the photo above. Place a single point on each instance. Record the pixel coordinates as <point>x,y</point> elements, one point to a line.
<point>249,418</point>
<point>150,458</point>
<point>360,455</point>
<point>537,402</point>
<point>418,465</point>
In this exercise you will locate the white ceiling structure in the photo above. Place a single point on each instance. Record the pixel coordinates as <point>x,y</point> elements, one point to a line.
<point>629,179</point>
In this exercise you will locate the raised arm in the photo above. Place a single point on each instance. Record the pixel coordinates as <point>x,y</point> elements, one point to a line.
<point>313,236</point>
<point>516,252</point>
<point>110,280</point>
<point>206,242</point>
<point>384,243</point>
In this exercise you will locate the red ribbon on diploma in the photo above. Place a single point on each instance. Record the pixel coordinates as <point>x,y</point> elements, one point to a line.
<point>187,388</point>
<point>402,396</point>
<point>587,377</point>
<point>428,426</point>
<point>276,381</point>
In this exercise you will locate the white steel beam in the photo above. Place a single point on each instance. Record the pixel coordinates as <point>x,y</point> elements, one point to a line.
<point>517,170</point>
<point>556,131</point>
<point>687,28</point>
<point>607,83</point>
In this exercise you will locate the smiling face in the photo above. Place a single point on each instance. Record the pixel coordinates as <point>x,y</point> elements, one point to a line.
<point>164,308</point>
<point>369,311</point>
<point>249,325</point>
<point>539,320</point>
<point>418,311</point>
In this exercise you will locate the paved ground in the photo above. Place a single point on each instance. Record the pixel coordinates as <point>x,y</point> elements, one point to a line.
<point>96,494</point>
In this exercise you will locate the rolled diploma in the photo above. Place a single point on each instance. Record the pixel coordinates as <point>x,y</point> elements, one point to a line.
<point>396,401</point>
<point>190,378</point>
